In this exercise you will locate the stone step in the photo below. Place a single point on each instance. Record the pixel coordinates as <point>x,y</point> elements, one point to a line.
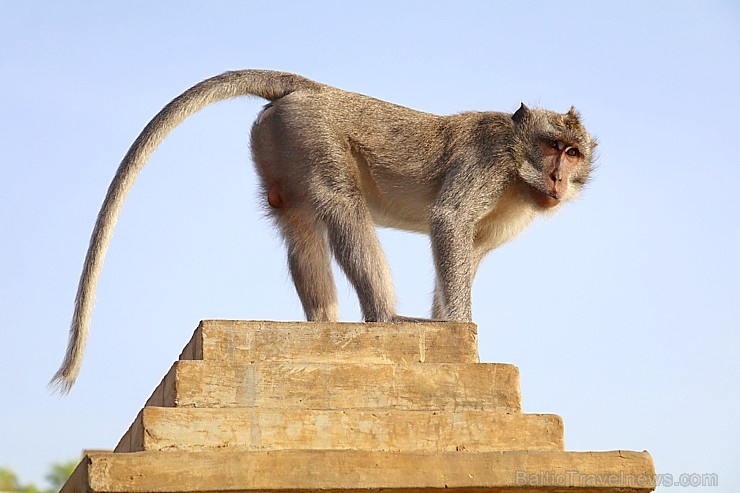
<point>415,386</point>
<point>241,341</point>
<point>345,471</point>
<point>420,386</point>
<point>161,428</point>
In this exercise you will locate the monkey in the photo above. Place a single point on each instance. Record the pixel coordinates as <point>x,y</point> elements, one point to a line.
<point>332,165</point>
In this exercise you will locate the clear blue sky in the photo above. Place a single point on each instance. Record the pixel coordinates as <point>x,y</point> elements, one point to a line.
<point>621,311</point>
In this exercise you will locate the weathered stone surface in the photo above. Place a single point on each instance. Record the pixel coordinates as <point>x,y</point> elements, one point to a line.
<point>160,428</point>
<point>418,386</point>
<point>329,471</point>
<point>346,408</point>
<point>241,341</point>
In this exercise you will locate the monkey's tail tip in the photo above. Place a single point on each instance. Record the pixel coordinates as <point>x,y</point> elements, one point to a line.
<point>60,383</point>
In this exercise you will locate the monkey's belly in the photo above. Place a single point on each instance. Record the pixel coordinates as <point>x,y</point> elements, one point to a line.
<point>407,216</point>
<point>396,201</point>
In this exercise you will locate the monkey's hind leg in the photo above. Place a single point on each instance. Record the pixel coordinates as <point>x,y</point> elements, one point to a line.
<point>355,244</point>
<point>439,312</point>
<point>309,262</point>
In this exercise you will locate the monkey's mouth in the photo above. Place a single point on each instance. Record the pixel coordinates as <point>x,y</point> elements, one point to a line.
<point>546,199</point>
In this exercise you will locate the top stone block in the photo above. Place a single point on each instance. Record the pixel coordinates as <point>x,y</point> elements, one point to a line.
<point>240,341</point>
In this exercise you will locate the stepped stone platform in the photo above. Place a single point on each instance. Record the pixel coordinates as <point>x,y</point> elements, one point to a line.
<point>346,407</point>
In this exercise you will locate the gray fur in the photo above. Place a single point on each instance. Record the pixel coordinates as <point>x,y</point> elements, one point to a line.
<point>333,164</point>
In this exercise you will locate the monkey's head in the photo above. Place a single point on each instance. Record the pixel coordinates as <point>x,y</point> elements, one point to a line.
<point>554,154</point>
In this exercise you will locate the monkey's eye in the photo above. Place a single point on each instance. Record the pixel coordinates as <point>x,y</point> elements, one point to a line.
<point>552,144</point>
<point>573,152</point>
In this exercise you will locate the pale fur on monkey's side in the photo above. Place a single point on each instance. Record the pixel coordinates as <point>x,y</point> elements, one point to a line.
<point>333,164</point>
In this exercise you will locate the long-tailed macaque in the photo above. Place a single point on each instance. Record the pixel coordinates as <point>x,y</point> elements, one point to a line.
<point>333,164</point>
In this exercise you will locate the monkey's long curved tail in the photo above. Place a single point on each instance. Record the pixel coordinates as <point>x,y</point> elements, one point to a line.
<point>267,84</point>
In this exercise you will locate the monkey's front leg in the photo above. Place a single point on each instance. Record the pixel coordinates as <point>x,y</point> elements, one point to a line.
<point>452,249</point>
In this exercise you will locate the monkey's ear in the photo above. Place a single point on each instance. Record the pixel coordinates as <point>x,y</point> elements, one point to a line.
<point>521,114</point>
